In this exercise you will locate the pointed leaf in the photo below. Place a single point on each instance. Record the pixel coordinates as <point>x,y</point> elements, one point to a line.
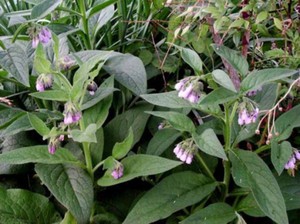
<point>280,154</point>
<point>209,143</point>
<point>38,124</point>
<point>172,194</point>
<point>44,8</point>
<point>121,149</point>
<point>223,79</point>
<point>88,135</point>
<point>250,171</point>
<point>192,58</point>
<point>137,166</point>
<point>219,96</point>
<point>54,95</point>
<point>71,186</point>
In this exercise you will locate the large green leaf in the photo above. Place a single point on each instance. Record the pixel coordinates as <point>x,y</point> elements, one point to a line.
<point>178,121</point>
<point>71,186</point>
<point>219,96</point>
<point>280,154</point>
<point>137,166</point>
<point>250,171</point>
<point>223,79</point>
<point>218,213</point>
<point>38,124</point>
<point>267,97</point>
<point>209,143</point>
<point>249,206</point>
<point>287,122</point>
<point>22,123</point>
<point>172,194</point>
<point>169,99</point>
<point>121,149</point>
<point>87,135</point>
<point>37,154</point>
<point>55,95</point>
<point>44,8</point>
<point>14,60</point>
<point>234,58</point>
<point>162,140</point>
<point>192,58</point>
<point>21,206</point>
<point>129,71</point>
<point>290,188</point>
<point>257,79</point>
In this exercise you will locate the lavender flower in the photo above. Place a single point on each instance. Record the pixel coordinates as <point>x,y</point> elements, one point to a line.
<point>118,171</point>
<point>246,117</point>
<point>254,92</point>
<point>71,114</point>
<point>43,82</point>
<point>44,35</point>
<point>184,151</point>
<point>189,89</point>
<point>92,88</point>
<point>39,34</point>
<point>291,164</point>
<point>66,63</point>
<point>35,42</point>
<point>53,144</point>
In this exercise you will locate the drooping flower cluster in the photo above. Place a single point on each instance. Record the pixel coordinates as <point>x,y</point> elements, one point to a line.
<point>247,117</point>
<point>43,82</point>
<point>53,145</point>
<point>291,164</point>
<point>118,171</point>
<point>185,151</point>
<point>66,63</point>
<point>190,89</point>
<point>42,35</point>
<point>92,88</point>
<point>71,114</point>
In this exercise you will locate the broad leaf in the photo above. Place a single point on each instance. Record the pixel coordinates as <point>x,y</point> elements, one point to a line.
<point>178,121</point>
<point>234,58</point>
<point>87,135</point>
<point>249,206</point>
<point>257,79</point>
<point>172,194</point>
<point>99,95</point>
<point>129,71</point>
<point>21,206</point>
<point>20,124</point>
<point>280,154</point>
<point>223,79</point>
<point>161,141</point>
<point>250,171</point>
<point>137,166</point>
<point>71,186</point>
<point>14,60</point>
<point>37,154</point>
<point>209,143</point>
<point>44,8</point>
<point>219,96</point>
<point>192,58</point>
<point>208,215</point>
<point>38,124</point>
<point>266,98</point>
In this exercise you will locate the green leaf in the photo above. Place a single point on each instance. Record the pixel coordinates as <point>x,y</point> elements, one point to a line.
<point>209,143</point>
<point>117,129</point>
<point>21,206</point>
<point>88,135</point>
<point>234,58</point>
<point>68,219</point>
<point>287,122</point>
<point>14,60</point>
<point>169,99</point>
<point>54,95</point>
<point>71,186</point>
<point>129,71</point>
<point>238,23</point>
<point>99,7</point>
<point>263,15</point>
<point>208,215</point>
<point>20,124</point>
<point>266,98</point>
<point>219,96</point>
<point>37,154</point>
<point>121,149</point>
<point>137,166</point>
<point>178,121</point>
<point>249,206</point>
<point>192,59</point>
<point>223,79</point>
<point>257,79</point>
<point>162,140</point>
<point>44,8</point>
<point>41,63</point>
<point>38,124</point>
<point>250,171</point>
<point>99,95</point>
<point>290,188</point>
<point>277,23</point>
<point>280,154</point>
<point>172,194</point>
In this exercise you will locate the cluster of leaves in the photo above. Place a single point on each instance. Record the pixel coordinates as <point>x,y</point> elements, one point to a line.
<point>130,49</point>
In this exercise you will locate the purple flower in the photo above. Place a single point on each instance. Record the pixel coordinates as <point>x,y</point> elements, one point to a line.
<point>189,89</point>
<point>43,82</point>
<point>53,144</point>
<point>68,118</point>
<point>161,126</point>
<point>92,88</point>
<point>61,138</point>
<point>45,35</point>
<point>66,63</point>
<point>71,114</point>
<point>35,42</point>
<point>297,155</point>
<point>51,148</point>
<point>118,171</point>
<point>246,117</point>
<point>254,92</point>
<point>184,152</point>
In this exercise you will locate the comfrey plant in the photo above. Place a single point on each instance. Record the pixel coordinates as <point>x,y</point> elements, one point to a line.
<point>140,112</point>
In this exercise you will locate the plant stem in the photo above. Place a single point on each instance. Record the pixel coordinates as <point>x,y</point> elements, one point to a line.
<point>208,171</point>
<point>87,152</point>
<point>85,25</point>
<point>262,149</point>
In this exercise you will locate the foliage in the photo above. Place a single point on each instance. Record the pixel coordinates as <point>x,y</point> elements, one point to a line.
<point>138,111</point>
